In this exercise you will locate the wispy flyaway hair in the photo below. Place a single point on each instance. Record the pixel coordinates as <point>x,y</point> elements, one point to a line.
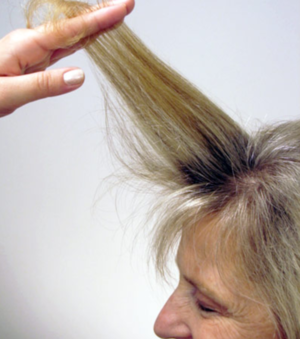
<point>205,164</point>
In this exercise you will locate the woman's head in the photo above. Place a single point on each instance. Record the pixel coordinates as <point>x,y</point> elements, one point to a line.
<point>207,167</point>
<point>249,228</point>
<point>207,303</point>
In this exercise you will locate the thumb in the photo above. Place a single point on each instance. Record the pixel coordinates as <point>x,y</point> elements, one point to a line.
<point>20,90</point>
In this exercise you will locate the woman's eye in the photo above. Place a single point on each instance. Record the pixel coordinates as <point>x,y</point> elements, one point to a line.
<point>204,308</point>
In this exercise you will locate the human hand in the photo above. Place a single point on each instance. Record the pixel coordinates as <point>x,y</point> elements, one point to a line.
<point>26,53</point>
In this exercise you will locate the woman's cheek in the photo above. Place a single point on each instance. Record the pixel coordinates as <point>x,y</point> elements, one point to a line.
<point>227,328</point>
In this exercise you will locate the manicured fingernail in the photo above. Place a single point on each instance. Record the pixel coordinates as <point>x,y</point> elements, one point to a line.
<point>75,77</point>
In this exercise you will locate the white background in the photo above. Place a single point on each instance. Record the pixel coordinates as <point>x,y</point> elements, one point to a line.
<point>67,269</point>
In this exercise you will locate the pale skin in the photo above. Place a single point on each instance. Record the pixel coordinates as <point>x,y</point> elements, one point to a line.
<point>25,55</point>
<point>204,306</point>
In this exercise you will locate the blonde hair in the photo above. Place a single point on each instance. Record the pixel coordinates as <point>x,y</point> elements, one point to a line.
<point>205,163</point>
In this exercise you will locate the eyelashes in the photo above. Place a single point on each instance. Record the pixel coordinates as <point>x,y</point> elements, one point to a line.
<point>199,301</point>
<point>204,308</point>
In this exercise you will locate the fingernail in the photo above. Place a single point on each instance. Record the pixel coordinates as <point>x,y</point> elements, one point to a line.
<point>74,77</point>
<point>119,2</point>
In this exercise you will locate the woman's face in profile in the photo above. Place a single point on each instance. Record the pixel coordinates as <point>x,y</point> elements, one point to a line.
<point>203,306</point>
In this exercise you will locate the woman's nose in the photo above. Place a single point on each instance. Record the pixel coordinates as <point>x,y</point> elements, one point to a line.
<point>170,322</point>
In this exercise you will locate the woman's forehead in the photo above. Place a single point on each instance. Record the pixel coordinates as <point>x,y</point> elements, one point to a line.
<point>201,240</point>
<point>210,242</point>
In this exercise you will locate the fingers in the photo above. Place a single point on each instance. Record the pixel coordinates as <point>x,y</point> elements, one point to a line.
<point>20,90</point>
<point>33,50</point>
<point>74,29</point>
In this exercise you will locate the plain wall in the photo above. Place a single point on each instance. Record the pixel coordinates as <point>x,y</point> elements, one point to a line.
<point>67,269</point>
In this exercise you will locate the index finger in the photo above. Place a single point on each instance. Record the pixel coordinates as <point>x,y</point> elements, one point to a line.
<point>70,31</point>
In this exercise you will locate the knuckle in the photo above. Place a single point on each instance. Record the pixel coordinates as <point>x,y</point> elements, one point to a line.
<point>44,82</point>
<point>74,31</point>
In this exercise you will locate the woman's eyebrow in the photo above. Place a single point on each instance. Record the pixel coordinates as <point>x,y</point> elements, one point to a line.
<point>205,290</point>
<point>211,294</point>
